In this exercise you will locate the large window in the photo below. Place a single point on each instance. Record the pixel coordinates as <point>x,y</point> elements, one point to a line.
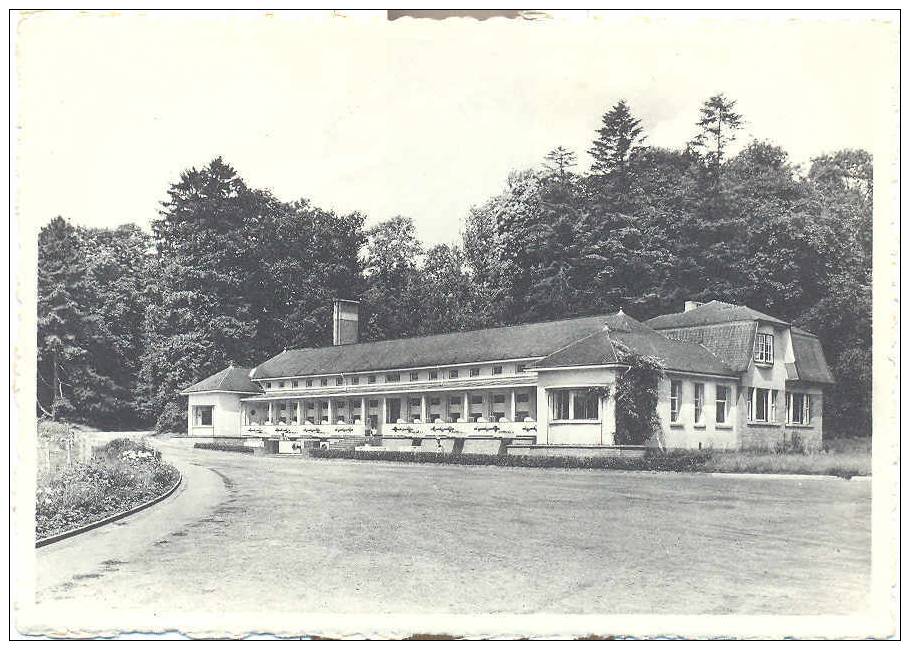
<point>574,404</point>
<point>721,403</point>
<point>202,415</point>
<point>799,408</point>
<point>762,404</point>
<point>675,400</point>
<point>392,378</point>
<point>699,401</point>
<point>414,375</point>
<point>764,348</point>
<point>475,371</point>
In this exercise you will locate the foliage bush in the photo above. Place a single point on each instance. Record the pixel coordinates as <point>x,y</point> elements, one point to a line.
<point>636,397</point>
<point>121,476</point>
<point>223,446</point>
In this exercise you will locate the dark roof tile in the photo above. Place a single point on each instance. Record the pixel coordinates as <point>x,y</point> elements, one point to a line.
<point>511,342</point>
<point>711,313</point>
<point>811,365</point>
<point>624,332</point>
<point>231,379</point>
<point>731,343</point>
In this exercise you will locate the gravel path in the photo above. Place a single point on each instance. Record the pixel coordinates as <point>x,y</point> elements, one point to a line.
<point>267,538</point>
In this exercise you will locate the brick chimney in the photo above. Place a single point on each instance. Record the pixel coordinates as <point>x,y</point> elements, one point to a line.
<point>691,304</point>
<point>345,322</point>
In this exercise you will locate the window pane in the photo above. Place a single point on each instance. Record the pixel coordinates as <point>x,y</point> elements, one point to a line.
<point>720,404</point>
<point>560,405</point>
<point>585,405</point>
<point>675,395</point>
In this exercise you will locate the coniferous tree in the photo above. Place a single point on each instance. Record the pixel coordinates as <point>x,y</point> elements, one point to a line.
<point>74,349</point>
<point>212,237</point>
<point>559,162</point>
<point>619,139</point>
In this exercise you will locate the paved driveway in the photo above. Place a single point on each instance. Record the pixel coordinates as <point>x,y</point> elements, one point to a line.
<point>285,535</point>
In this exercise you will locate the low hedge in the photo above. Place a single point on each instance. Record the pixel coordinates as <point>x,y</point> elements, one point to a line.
<point>223,446</point>
<point>674,461</point>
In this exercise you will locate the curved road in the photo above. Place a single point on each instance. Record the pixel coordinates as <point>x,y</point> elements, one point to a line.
<point>275,535</point>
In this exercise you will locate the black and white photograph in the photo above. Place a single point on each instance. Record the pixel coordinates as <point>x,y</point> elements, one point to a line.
<point>425,324</point>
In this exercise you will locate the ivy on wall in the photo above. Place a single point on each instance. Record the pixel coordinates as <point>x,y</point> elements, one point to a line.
<point>636,397</point>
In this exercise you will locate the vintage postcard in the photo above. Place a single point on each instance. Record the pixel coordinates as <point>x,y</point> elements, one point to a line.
<point>394,324</point>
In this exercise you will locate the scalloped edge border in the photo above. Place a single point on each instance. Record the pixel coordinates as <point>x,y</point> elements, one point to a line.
<point>105,521</point>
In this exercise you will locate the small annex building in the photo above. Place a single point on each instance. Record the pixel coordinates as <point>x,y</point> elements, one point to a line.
<point>732,377</point>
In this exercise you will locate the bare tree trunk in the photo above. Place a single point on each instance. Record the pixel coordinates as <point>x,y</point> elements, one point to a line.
<point>55,386</point>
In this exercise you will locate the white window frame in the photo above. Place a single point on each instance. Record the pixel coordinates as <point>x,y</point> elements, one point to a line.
<point>675,401</point>
<point>698,403</point>
<point>806,418</point>
<point>770,404</point>
<point>197,416</point>
<point>725,389</point>
<point>764,348</point>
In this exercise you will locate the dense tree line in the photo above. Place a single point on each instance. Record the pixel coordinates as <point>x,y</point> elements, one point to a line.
<point>232,275</point>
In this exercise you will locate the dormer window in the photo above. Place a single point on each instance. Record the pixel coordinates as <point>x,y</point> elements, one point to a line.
<point>764,348</point>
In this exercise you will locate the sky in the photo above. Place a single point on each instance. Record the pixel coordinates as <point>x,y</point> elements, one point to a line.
<point>417,118</point>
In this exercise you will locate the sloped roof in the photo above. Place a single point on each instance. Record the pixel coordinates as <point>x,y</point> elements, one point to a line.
<point>810,365</point>
<point>511,342</point>
<point>622,331</point>
<point>711,313</point>
<point>731,343</point>
<point>231,379</point>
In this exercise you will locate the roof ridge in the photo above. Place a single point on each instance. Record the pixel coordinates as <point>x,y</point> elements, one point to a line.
<point>604,329</point>
<point>453,332</point>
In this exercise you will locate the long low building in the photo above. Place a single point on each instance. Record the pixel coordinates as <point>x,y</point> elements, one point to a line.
<point>732,377</point>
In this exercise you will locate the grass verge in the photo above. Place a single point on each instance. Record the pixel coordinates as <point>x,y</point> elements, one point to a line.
<point>844,465</point>
<point>120,476</point>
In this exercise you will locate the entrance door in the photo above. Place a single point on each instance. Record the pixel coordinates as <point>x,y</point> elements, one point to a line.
<point>393,410</point>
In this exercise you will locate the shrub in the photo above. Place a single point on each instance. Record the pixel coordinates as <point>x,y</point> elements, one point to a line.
<point>223,446</point>
<point>122,475</point>
<point>792,445</point>
<point>650,460</point>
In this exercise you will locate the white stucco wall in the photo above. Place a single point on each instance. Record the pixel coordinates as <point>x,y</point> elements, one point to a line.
<point>226,420</point>
<point>574,432</point>
<point>686,434</point>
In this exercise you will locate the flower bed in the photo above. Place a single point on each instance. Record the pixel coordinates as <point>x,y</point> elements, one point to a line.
<point>121,476</point>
